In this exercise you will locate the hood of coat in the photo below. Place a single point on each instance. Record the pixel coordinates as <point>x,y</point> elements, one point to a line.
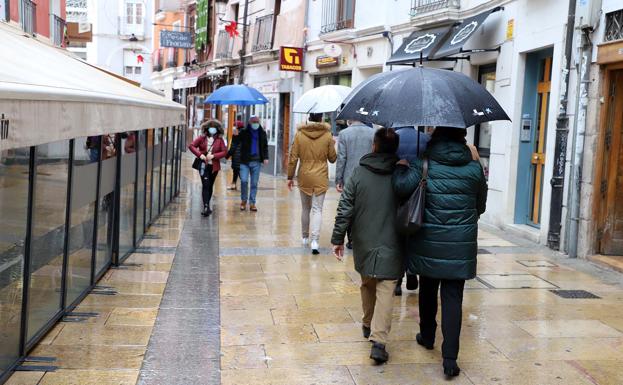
<point>449,153</point>
<point>314,130</point>
<point>379,163</point>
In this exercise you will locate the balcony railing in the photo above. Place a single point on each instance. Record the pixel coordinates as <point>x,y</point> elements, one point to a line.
<point>225,45</point>
<point>263,39</point>
<point>419,7</point>
<point>28,15</point>
<point>58,31</point>
<point>337,14</point>
<point>131,25</point>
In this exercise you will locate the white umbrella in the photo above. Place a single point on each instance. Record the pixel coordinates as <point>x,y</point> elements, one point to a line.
<point>322,99</point>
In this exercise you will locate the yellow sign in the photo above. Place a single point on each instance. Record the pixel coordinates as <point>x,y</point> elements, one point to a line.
<point>326,61</point>
<point>510,29</point>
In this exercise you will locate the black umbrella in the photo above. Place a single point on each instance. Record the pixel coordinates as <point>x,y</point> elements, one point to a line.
<point>421,97</point>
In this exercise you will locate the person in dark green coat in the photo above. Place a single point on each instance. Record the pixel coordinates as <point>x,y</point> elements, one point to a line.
<point>443,252</point>
<point>368,206</point>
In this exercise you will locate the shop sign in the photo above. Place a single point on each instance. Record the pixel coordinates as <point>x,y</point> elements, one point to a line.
<point>291,59</point>
<point>510,29</point>
<point>188,82</point>
<point>176,39</point>
<point>332,50</point>
<point>327,61</point>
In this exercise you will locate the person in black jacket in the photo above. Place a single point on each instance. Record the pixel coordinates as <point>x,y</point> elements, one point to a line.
<point>234,153</point>
<point>443,252</point>
<point>253,153</point>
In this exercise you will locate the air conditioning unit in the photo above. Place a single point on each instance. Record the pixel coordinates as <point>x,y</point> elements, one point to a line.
<point>588,14</point>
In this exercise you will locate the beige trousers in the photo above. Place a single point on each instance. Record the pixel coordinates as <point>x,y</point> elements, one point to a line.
<point>312,207</point>
<point>377,299</point>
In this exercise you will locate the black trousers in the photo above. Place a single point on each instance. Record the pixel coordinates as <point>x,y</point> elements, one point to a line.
<point>207,186</point>
<point>236,174</point>
<point>451,313</point>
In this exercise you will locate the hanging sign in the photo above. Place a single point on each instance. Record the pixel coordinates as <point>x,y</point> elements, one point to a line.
<point>332,50</point>
<point>510,29</point>
<point>327,61</point>
<point>291,59</point>
<point>176,39</point>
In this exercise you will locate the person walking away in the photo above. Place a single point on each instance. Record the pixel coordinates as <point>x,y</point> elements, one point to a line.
<point>234,153</point>
<point>412,145</point>
<point>354,142</point>
<point>443,252</point>
<point>210,148</point>
<point>368,205</point>
<point>313,147</point>
<point>253,153</point>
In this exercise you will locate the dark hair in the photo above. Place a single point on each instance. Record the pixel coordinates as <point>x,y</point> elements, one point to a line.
<point>314,117</point>
<point>449,134</point>
<point>386,141</point>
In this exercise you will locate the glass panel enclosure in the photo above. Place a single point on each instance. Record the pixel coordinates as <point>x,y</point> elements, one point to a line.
<point>164,181</point>
<point>103,255</point>
<point>126,196</point>
<point>170,158</point>
<point>48,234</point>
<point>82,219</point>
<point>155,208</point>
<point>140,185</point>
<point>14,165</point>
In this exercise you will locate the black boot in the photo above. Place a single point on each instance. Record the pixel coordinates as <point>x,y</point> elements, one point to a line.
<point>398,290</point>
<point>450,368</point>
<point>378,353</point>
<point>366,331</point>
<point>206,210</point>
<point>420,341</point>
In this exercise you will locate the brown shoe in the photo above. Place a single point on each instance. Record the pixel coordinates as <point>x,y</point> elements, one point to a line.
<point>232,187</point>
<point>243,206</point>
<point>253,208</point>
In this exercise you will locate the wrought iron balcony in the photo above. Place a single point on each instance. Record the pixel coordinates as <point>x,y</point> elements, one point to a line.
<point>58,31</point>
<point>225,45</point>
<point>337,14</point>
<point>28,16</point>
<point>263,39</point>
<point>419,7</point>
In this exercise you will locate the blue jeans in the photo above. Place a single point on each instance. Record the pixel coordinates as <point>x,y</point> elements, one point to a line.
<point>252,169</point>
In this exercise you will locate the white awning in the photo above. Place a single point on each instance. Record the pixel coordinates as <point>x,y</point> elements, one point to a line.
<point>46,94</point>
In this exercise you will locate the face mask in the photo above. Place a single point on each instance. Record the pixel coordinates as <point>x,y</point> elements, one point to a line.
<point>255,126</point>
<point>212,130</point>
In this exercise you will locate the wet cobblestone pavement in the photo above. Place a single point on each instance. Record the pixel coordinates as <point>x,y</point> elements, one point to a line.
<point>235,299</point>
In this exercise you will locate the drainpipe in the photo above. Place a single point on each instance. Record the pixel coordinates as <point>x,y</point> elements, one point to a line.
<point>575,184</point>
<point>562,133</point>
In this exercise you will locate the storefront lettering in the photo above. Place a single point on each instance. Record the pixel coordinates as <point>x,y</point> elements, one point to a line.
<point>291,59</point>
<point>326,61</point>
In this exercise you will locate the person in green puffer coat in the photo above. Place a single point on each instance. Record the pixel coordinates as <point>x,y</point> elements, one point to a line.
<point>443,252</point>
<point>368,206</point>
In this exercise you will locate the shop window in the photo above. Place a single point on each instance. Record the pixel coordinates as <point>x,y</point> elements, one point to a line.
<point>268,117</point>
<point>339,79</point>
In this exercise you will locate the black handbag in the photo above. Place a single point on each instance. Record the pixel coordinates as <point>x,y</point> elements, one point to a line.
<point>197,162</point>
<point>410,215</point>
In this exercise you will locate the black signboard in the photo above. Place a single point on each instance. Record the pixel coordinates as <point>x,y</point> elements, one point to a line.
<point>176,39</point>
<point>459,35</point>
<point>419,43</point>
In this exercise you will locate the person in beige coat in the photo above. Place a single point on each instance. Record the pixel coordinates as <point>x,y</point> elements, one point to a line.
<point>313,146</point>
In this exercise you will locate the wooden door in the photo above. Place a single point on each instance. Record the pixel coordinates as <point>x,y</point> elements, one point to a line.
<point>538,155</point>
<point>612,176</point>
<point>286,131</point>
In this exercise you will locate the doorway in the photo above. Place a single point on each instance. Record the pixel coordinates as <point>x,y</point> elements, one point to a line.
<point>283,141</point>
<point>611,186</point>
<point>533,134</point>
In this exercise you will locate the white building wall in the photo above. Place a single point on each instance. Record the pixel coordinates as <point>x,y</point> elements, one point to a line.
<point>106,49</point>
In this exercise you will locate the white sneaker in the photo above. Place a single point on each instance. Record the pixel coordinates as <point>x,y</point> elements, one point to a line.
<point>305,242</point>
<point>314,247</point>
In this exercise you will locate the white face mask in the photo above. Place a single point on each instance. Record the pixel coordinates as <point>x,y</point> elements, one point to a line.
<point>255,126</point>
<point>212,131</point>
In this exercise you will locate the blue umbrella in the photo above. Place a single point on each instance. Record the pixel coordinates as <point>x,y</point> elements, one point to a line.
<point>238,94</point>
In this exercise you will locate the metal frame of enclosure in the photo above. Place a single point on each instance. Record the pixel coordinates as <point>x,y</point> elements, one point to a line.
<point>69,211</point>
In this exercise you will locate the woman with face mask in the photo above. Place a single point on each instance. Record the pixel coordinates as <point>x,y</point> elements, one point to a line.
<point>210,148</point>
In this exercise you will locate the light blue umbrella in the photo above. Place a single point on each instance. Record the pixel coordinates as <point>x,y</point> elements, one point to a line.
<point>237,94</point>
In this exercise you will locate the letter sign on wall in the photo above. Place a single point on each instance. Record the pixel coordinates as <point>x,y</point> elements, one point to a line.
<point>291,59</point>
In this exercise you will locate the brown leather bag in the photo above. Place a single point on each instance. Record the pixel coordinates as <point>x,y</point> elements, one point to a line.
<point>410,215</point>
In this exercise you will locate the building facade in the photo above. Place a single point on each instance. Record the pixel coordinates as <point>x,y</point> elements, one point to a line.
<point>43,19</point>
